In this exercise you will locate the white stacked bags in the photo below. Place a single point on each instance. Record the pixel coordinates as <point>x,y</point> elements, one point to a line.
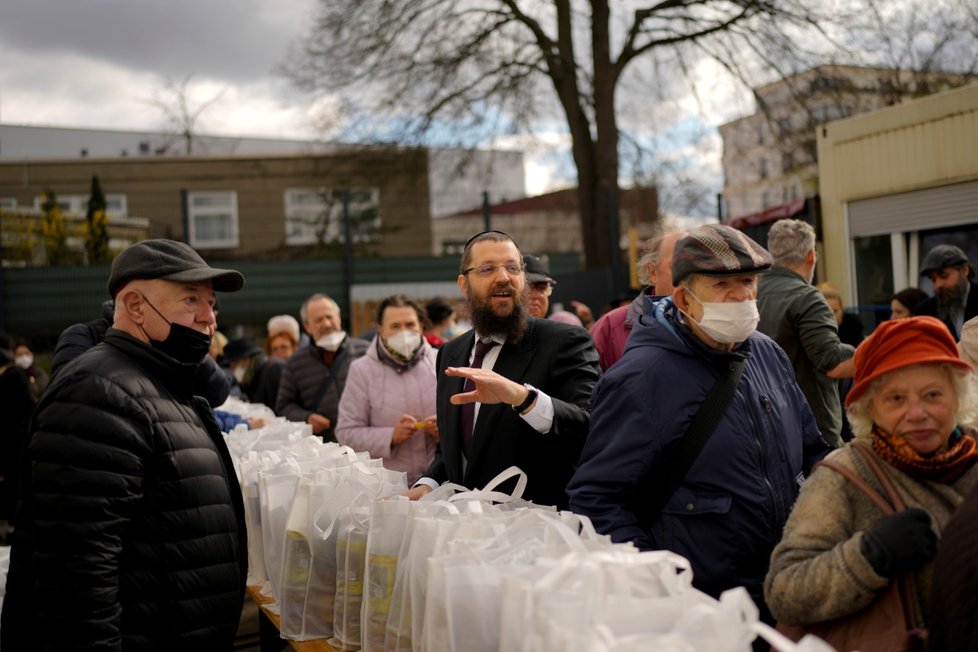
<point>348,559</point>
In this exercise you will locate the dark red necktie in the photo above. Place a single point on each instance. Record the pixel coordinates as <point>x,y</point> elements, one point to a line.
<point>468,409</point>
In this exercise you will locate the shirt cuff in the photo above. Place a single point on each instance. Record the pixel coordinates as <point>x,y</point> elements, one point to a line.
<point>428,482</point>
<point>541,415</point>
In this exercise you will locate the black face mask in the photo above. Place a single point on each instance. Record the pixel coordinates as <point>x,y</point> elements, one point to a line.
<point>183,344</point>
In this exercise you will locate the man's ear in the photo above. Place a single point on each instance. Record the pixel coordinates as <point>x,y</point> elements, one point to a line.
<point>463,285</point>
<point>679,297</point>
<point>133,303</point>
<point>652,274</point>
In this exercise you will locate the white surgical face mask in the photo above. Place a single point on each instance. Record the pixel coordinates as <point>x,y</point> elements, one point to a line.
<point>728,322</point>
<point>332,341</point>
<point>24,361</point>
<point>404,343</point>
<point>239,373</point>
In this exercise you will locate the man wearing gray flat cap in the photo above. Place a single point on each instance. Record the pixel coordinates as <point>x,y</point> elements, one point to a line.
<point>700,437</point>
<point>955,299</point>
<point>130,530</point>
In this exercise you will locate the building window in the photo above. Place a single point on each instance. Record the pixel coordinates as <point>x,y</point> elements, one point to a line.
<point>315,215</point>
<point>762,170</point>
<point>213,219</point>
<point>8,202</point>
<point>787,162</point>
<point>115,204</point>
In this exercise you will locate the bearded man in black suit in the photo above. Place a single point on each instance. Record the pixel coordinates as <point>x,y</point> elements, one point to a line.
<point>528,383</point>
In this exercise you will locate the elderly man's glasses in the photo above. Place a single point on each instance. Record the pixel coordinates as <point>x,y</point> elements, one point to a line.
<point>485,271</point>
<point>543,287</point>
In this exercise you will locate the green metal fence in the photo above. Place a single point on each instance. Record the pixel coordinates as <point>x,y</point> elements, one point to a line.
<point>39,302</point>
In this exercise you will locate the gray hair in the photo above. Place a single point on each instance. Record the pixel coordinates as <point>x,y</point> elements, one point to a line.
<point>304,310</point>
<point>652,253</point>
<point>789,241</point>
<point>965,387</point>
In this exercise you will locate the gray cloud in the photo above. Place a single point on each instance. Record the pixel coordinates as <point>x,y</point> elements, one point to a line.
<point>229,40</point>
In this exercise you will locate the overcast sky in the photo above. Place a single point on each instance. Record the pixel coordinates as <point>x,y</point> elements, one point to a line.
<point>100,63</point>
<point>95,63</point>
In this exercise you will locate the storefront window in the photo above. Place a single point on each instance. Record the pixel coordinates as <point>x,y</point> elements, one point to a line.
<point>874,278</point>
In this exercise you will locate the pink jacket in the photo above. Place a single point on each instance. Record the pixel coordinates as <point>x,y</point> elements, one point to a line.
<point>374,399</point>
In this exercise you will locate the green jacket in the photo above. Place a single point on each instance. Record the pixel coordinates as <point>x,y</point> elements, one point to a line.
<point>795,315</point>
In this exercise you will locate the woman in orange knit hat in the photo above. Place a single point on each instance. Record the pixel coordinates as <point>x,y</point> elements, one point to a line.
<point>909,405</point>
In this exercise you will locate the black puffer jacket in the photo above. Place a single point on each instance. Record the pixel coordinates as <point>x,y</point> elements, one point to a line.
<point>210,381</point>
<point>131,532</point>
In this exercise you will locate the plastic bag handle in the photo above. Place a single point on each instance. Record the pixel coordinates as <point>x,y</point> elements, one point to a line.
<point>511,472</point>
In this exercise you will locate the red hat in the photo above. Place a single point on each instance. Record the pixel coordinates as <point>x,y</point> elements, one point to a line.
<point>899,343</point>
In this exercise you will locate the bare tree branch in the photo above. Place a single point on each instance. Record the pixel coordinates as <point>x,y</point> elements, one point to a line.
<point>468,70</point>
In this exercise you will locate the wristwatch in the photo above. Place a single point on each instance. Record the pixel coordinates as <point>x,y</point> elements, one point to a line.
<point>530,397</point>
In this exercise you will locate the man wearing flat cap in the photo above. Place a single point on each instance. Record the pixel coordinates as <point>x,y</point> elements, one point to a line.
<point>131,531</point>
<point>718,493</point>
<point>955,299</point>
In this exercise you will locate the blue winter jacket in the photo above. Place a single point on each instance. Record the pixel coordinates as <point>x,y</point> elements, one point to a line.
<point>728,514</point>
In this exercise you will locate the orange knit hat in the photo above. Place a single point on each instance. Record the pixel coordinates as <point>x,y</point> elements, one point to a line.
<point>899,343</point>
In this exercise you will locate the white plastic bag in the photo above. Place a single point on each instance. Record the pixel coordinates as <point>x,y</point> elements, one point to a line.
<point>388,521</point>
<point>276,490</point>
<point>351,552</point>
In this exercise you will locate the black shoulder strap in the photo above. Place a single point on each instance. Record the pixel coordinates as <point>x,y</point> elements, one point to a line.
<point>327,380</point>
<point>691,445</point>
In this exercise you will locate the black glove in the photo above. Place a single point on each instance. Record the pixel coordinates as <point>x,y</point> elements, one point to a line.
<point>899,542</point>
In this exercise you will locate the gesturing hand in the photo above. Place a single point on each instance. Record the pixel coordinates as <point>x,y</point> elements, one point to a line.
<point>490,387</point>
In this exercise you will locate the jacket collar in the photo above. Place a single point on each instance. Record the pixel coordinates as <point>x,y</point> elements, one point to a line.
<point>176,376</point>
<point>666,314</point>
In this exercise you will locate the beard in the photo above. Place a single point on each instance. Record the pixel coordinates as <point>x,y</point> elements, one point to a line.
<point>949,298</point>
<point>486,322</point>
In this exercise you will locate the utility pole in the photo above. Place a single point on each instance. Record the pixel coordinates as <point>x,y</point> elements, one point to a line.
<point>486,212</point>
<point>347,253</point>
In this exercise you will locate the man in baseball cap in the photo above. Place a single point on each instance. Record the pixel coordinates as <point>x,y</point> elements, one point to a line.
<point>955,299</point>
<point>149,478</point>
<point>631,480</point>
<point>540,283</point>
<point>541,286</point>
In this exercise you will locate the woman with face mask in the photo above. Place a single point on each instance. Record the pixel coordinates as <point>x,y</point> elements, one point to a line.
<point>24,358</point>
<point>388,405</point>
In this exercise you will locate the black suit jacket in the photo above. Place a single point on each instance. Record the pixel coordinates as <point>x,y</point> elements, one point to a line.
<point>929,307</point>
<point>558,359</point>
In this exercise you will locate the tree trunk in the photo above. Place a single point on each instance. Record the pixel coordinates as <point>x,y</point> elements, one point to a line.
<point>601,245</point>
<point>597,170</point>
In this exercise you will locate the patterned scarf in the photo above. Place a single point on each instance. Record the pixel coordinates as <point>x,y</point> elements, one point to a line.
<point>395,360</point>
<point>945,468</point>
